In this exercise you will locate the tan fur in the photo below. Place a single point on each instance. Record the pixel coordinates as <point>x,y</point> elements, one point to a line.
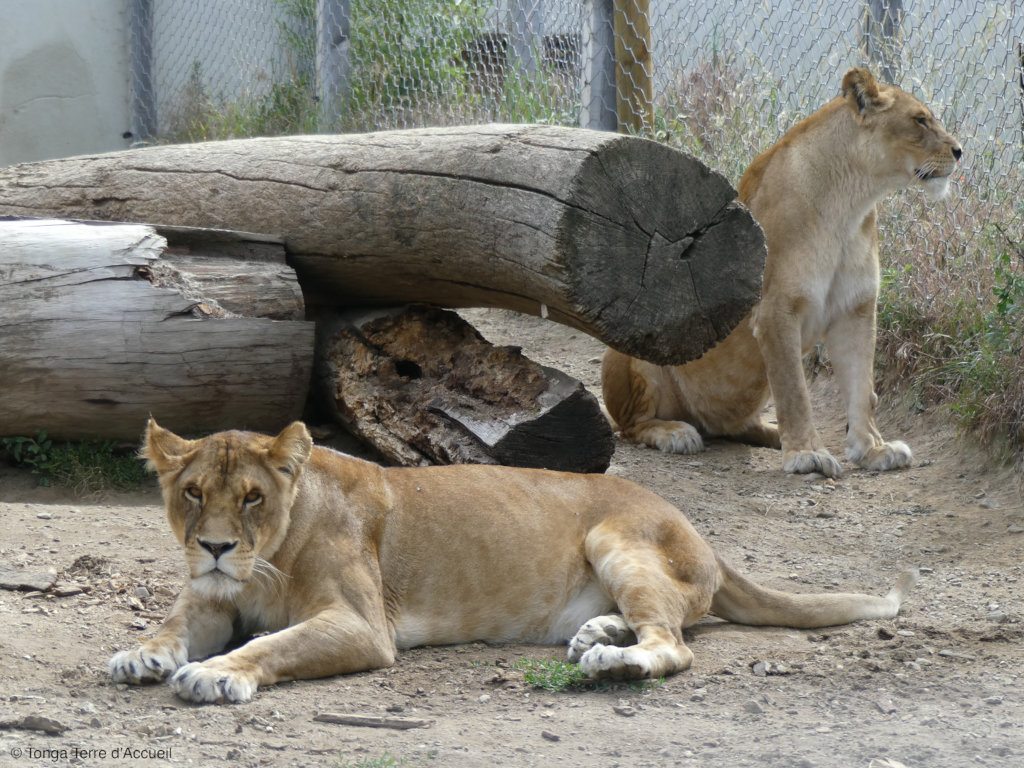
<point>343,562</point>
<point>814,194</point>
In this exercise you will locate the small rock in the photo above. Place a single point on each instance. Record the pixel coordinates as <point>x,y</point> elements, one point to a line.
<point>885,706</point>
<point>993,701</point>
<point>44,516</point>
<point>550,736</point>
<point>67,589</point>
<point>625,710</point>
<point>40,723</point>
<point>142,593</point>
<point>484,698</point>
<point>699,695</point>
<point>885,633</point>
<point>753,708</point>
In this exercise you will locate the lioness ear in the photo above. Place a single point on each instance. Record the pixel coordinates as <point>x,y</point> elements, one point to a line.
<point>163,450</point>
<point>291,448</point>
<point>860,89</point>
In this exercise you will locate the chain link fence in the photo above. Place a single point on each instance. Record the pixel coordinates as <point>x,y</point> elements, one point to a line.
<point>722,81</point>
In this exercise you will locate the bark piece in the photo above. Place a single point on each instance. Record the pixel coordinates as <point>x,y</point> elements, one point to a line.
<point>422,386</point>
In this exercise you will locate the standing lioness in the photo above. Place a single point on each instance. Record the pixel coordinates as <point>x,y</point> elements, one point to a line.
<point>343,562</point>
<point>814,194</point>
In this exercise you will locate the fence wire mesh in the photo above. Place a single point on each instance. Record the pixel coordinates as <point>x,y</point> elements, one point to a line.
<point>722,81</point>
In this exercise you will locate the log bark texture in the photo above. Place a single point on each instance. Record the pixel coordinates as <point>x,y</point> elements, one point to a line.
<point>628,240</point>
<point>104,325</point>
<point>422,386</point>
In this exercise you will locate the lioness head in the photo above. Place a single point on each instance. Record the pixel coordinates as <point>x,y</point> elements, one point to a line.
<point>228,499</point>
<point>904,131</point>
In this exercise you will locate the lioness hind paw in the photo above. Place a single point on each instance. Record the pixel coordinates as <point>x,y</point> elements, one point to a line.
<point>806,462</point>
<point>603,630</point>
<point>604,662</point>
<point>672,437</point>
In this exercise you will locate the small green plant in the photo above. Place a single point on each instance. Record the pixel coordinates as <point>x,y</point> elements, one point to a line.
<point>552,674</point>
<point>383,761</point>
<point>86,466</point>
<point>36,453</point>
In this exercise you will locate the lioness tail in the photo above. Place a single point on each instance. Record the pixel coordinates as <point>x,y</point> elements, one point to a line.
<point>740,600</point>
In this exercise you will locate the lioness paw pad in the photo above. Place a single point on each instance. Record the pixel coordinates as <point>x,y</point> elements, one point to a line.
<point>205,683</point>
<point>604,630</point>
<point>140,665</point>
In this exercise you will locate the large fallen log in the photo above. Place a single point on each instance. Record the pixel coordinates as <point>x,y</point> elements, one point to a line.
<point>628,240</point>
<point>422,386</point>
<point>104,325</point>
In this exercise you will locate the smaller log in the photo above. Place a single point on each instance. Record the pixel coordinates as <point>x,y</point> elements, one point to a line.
<point>422,386</point>
<point>105,325</point>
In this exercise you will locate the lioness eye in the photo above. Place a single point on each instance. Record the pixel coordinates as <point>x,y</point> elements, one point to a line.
<point>252,498</point>
<point>921,120</point>
<point>192,493</point>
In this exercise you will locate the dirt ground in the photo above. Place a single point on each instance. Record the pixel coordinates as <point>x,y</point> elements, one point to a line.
<point>938,687</point>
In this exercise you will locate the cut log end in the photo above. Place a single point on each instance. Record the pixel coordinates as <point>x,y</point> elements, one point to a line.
<point>664,262</point>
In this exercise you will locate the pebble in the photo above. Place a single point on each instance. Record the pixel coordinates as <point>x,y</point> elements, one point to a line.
<point>624,709</point>
<point>763,668</point>
<point>484,698</point>
<point>550,736</point>
<point>44,516</point>
<point>993,701</point>
<point>753,708</point>
<point>699,695</point>
<point>142,593</point>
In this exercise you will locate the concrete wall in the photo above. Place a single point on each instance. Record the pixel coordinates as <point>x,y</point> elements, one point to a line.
<point>64,75</point>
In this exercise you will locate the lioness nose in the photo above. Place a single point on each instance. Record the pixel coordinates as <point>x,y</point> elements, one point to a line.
<point>957,152</point>
<point>217,548</point>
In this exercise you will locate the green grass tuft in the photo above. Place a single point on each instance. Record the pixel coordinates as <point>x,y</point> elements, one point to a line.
<point>86,466</point>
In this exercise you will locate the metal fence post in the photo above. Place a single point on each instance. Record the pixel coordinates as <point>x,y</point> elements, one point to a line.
<point>525,27</point>
<point>598,93</point>
<point>333,62</point>
<point>143,96</point>
<point>880,35</point>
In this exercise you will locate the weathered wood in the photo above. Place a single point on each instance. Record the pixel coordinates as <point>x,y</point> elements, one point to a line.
<point>628,240</point>
<point>422,386</point>
<point>104,325</point>
<point>372,721</point>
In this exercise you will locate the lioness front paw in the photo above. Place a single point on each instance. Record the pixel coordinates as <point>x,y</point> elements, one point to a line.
<point>213,682</point>
<point>894,455</point>
<point>604,630</point>
<point>805,462</point>
<point>145,665</point>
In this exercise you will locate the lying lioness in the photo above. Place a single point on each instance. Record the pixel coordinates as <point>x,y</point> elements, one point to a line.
<point>343,562</point>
